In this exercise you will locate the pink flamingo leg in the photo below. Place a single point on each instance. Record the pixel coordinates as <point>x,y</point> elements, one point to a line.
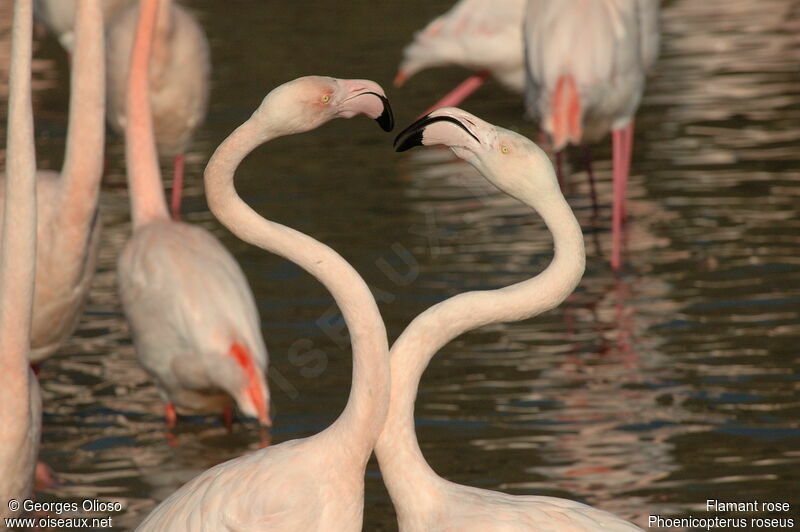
<point>461,92</point>
<point>171,415</point>
<point>587,155</point>
<point>619,193</point>
<point>627,154</point>
<point>177,187</point>
<point>227,418</point>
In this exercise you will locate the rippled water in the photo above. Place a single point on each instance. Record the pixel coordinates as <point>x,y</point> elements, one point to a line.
<point>646,393</point>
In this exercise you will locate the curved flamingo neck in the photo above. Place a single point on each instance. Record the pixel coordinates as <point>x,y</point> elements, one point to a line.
<point>83,161</point>
<point>360,423</point>
<point>18,246</point>
<point>144,177</point>
<point>408,477</point>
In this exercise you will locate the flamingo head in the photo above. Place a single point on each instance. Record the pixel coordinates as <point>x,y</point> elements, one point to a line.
<point>307,103</point>
<point>244,378</point>
<point>511,162</point>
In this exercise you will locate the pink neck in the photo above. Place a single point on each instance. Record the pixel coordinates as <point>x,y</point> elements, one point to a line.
<point>83,162</point>
<point>358,427</point>
<point>144,177</point>
<point>18,246</point>
<point>408,477</point>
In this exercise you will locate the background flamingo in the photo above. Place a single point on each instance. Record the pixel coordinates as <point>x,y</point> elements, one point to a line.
<point>315,483</point>
<point>20,403</point>
<point>586,62</point>
<point>59,17</point>
<point>423,500</point>
<point>482,35</point>
<point>68,223</point>
<point>194,321</point>
<point>179,81</point>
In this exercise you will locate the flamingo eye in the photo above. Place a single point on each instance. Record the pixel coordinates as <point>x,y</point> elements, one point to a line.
<point>326,98</point>
<point>504,149</point>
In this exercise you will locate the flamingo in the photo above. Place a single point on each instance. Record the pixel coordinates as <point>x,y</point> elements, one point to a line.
<point>179,69</point>
<point>423,500</point>
<point>314,483</point>
<point>586,62</point>
<point>194,321</point>
<point>59,17</point>
<point>68,223</point>
<point>20,402</point>
<point>482,35</point>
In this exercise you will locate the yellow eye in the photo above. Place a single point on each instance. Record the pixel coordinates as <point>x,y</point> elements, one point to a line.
<point>504,149</point>
<point>326,98</point>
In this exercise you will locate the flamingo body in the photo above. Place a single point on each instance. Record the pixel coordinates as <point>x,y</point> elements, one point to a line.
<point>302,485</point>
<point>598,44</point>
<point>188,304</point>
<point>179,75</point>
<point>586,63</point>
<point>475,34</point>
<point>467,509</point>
<point>65,265</point>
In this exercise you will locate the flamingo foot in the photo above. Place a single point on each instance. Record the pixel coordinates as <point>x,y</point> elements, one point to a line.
<point>227,418</point>
<point>44,479</point>
<point>461,92</point>
<point>171,415</point>
<point>177,187</point>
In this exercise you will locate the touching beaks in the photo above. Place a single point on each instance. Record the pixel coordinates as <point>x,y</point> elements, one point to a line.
<point>412,136</point>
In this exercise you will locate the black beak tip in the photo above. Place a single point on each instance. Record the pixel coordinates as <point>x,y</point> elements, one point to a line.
<point>408,141</point>
<point>386,120</point>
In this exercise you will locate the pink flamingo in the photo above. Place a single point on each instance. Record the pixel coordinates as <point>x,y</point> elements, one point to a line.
<point>179,70</point>
<point>482,35</point>
<point>423,500</point>
<point>315,483</point>
<point>68,224</point>
<point>194,321</point>
<point>20,403</point>
<point>586,65</point>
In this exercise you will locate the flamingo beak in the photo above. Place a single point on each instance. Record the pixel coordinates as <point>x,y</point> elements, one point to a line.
<point>386,118</point>
<point>400,78</point>
<point>366,97</point>
<point>416,134</point>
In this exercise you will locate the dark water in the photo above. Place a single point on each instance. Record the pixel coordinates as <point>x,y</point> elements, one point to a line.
<point>646,393</point>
